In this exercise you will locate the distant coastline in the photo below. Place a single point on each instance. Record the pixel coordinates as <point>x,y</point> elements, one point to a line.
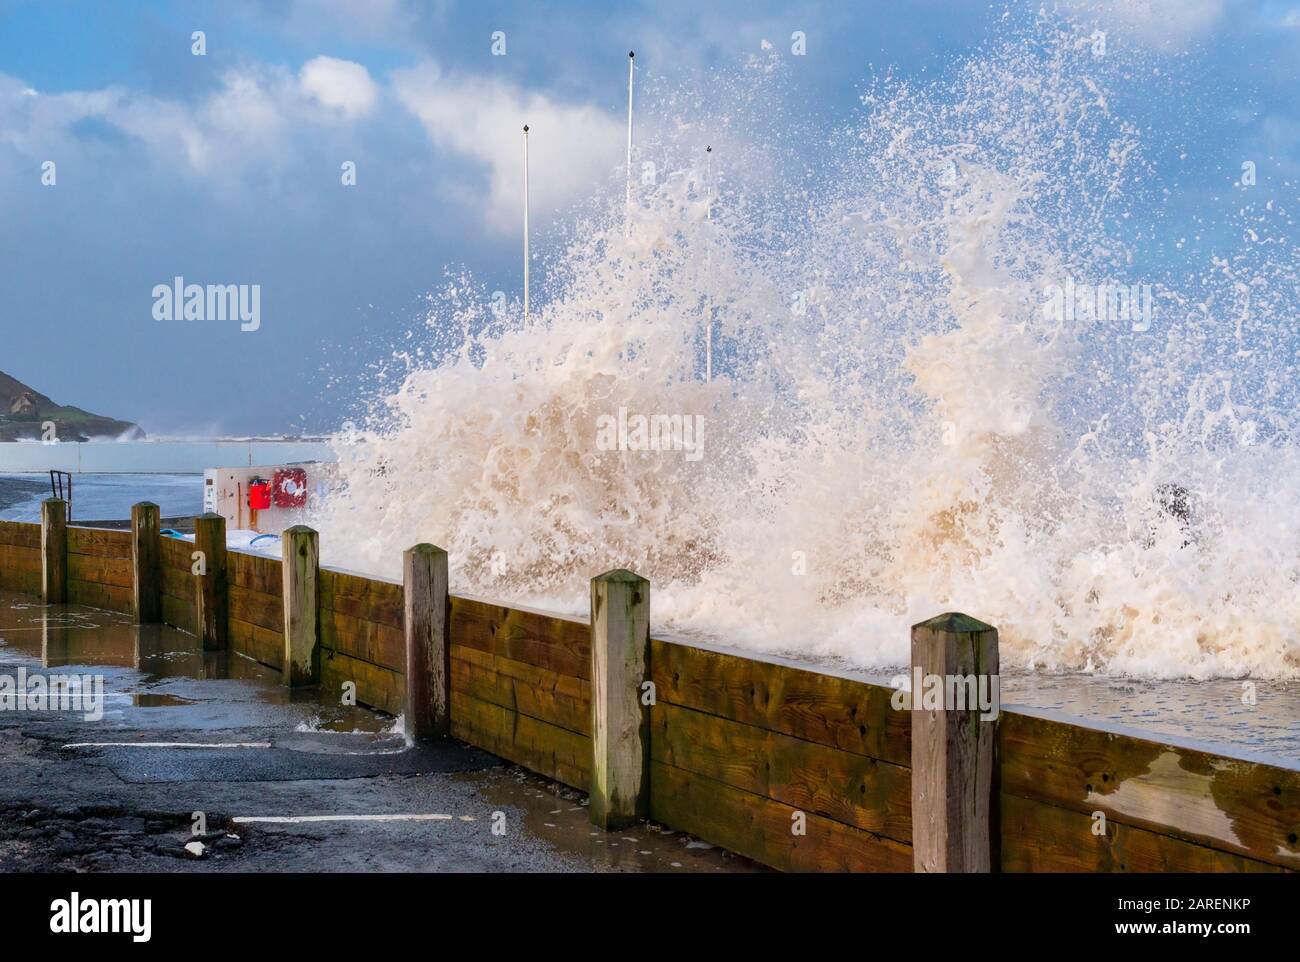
<point>27,414</point>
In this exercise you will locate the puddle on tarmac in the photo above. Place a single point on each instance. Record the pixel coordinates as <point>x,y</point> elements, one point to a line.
<point>158,700</point>
<point>558,814</point>
<point>156,676</point>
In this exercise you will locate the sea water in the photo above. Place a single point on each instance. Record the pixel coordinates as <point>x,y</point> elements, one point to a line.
<point>902,417</point>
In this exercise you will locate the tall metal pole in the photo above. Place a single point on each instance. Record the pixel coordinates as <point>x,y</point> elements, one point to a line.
<point>525,223</point>
<point>708,256</point>
<point>631,64</point>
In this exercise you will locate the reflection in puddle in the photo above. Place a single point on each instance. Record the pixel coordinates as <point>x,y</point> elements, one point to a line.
<point>159,667</point>
<point>158,700</point>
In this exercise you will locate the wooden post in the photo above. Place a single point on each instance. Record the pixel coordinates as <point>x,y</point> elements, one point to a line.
<point>54,550</point>
<point>428,653</point>
<point>146,575</point>
<point>620,716</point>
<point>301,570</point>
<point>953,747</point>
<point>210,587</point>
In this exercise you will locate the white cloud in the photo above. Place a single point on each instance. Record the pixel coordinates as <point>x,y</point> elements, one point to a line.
<point>572,147</point>
<point>339,85</point>
<point>251,118</point>
<point>1158,23</point>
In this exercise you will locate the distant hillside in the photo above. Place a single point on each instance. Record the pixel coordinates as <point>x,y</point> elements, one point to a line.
<point>23,410</point>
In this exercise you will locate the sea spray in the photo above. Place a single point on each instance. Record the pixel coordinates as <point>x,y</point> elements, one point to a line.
<point>895,424</point>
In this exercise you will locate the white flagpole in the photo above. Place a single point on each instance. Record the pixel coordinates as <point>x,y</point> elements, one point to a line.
<point>708,256</point>
<point>525,223</point>
<point>631,64</point>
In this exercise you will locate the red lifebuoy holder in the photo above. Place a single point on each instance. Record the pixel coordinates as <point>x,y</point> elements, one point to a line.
<point>289,488</point>
<point>259,494</point>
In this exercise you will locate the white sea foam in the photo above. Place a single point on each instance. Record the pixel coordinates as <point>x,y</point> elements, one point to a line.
<point>896,427</point>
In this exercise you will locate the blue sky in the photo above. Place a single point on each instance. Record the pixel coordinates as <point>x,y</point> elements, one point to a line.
<point>224,168</point>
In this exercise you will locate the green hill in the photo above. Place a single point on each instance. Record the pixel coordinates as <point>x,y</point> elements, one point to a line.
<point>23,410</point>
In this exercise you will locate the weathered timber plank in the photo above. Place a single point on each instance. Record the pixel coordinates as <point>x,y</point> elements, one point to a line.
<point>548,641</point>
<point>177,583</point>
<point>368,640</point>
<point>1037,837</point>
<point>211,604</point>
<point>261,644</point>
<point>365,598</point>
<point>145,584</point>
<point>179,613</point>
<point>1238,806</point>
<point>98,595</point>
<point>843,713</point>
<point>540,747</point>
<point>561,700</point>
<point>300,560</point>
<point>99,542</point>
<point>25,580</point>
<point>376,687</point>
<point>19,558</point>
<point>22,534</point>
<point>176,553</point>
<point>256,608</point>
<point>620,716</point>
<point>426,620</point>
<point>954,749</point>
<point>762,828</point>
<point>255,572</point>
<point>54,550</point>
<point>100,569</point>
<point>860,791</point>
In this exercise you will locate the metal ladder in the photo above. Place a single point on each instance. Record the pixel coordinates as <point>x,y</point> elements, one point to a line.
<point>58,485</point>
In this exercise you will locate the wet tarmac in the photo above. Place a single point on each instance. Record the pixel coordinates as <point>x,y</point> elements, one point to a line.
<point>191,747</point>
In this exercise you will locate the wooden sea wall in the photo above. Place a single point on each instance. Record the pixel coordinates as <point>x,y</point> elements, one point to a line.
<point>99,568</point>
<point>521,687</point>
<point>798,768</point>
<point>361,639</point>
<point>1076,798</point>
<point>177,583</point>
<point>255,607</point>
<point>20,557</point>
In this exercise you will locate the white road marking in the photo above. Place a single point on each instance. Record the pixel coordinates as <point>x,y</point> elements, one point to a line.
<point>297,819</point>
<point>168,745</point>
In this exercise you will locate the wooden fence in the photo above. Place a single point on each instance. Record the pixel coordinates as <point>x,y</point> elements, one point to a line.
<point>361,638</point>
<point>20,557</point>
<point>797,768</point>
